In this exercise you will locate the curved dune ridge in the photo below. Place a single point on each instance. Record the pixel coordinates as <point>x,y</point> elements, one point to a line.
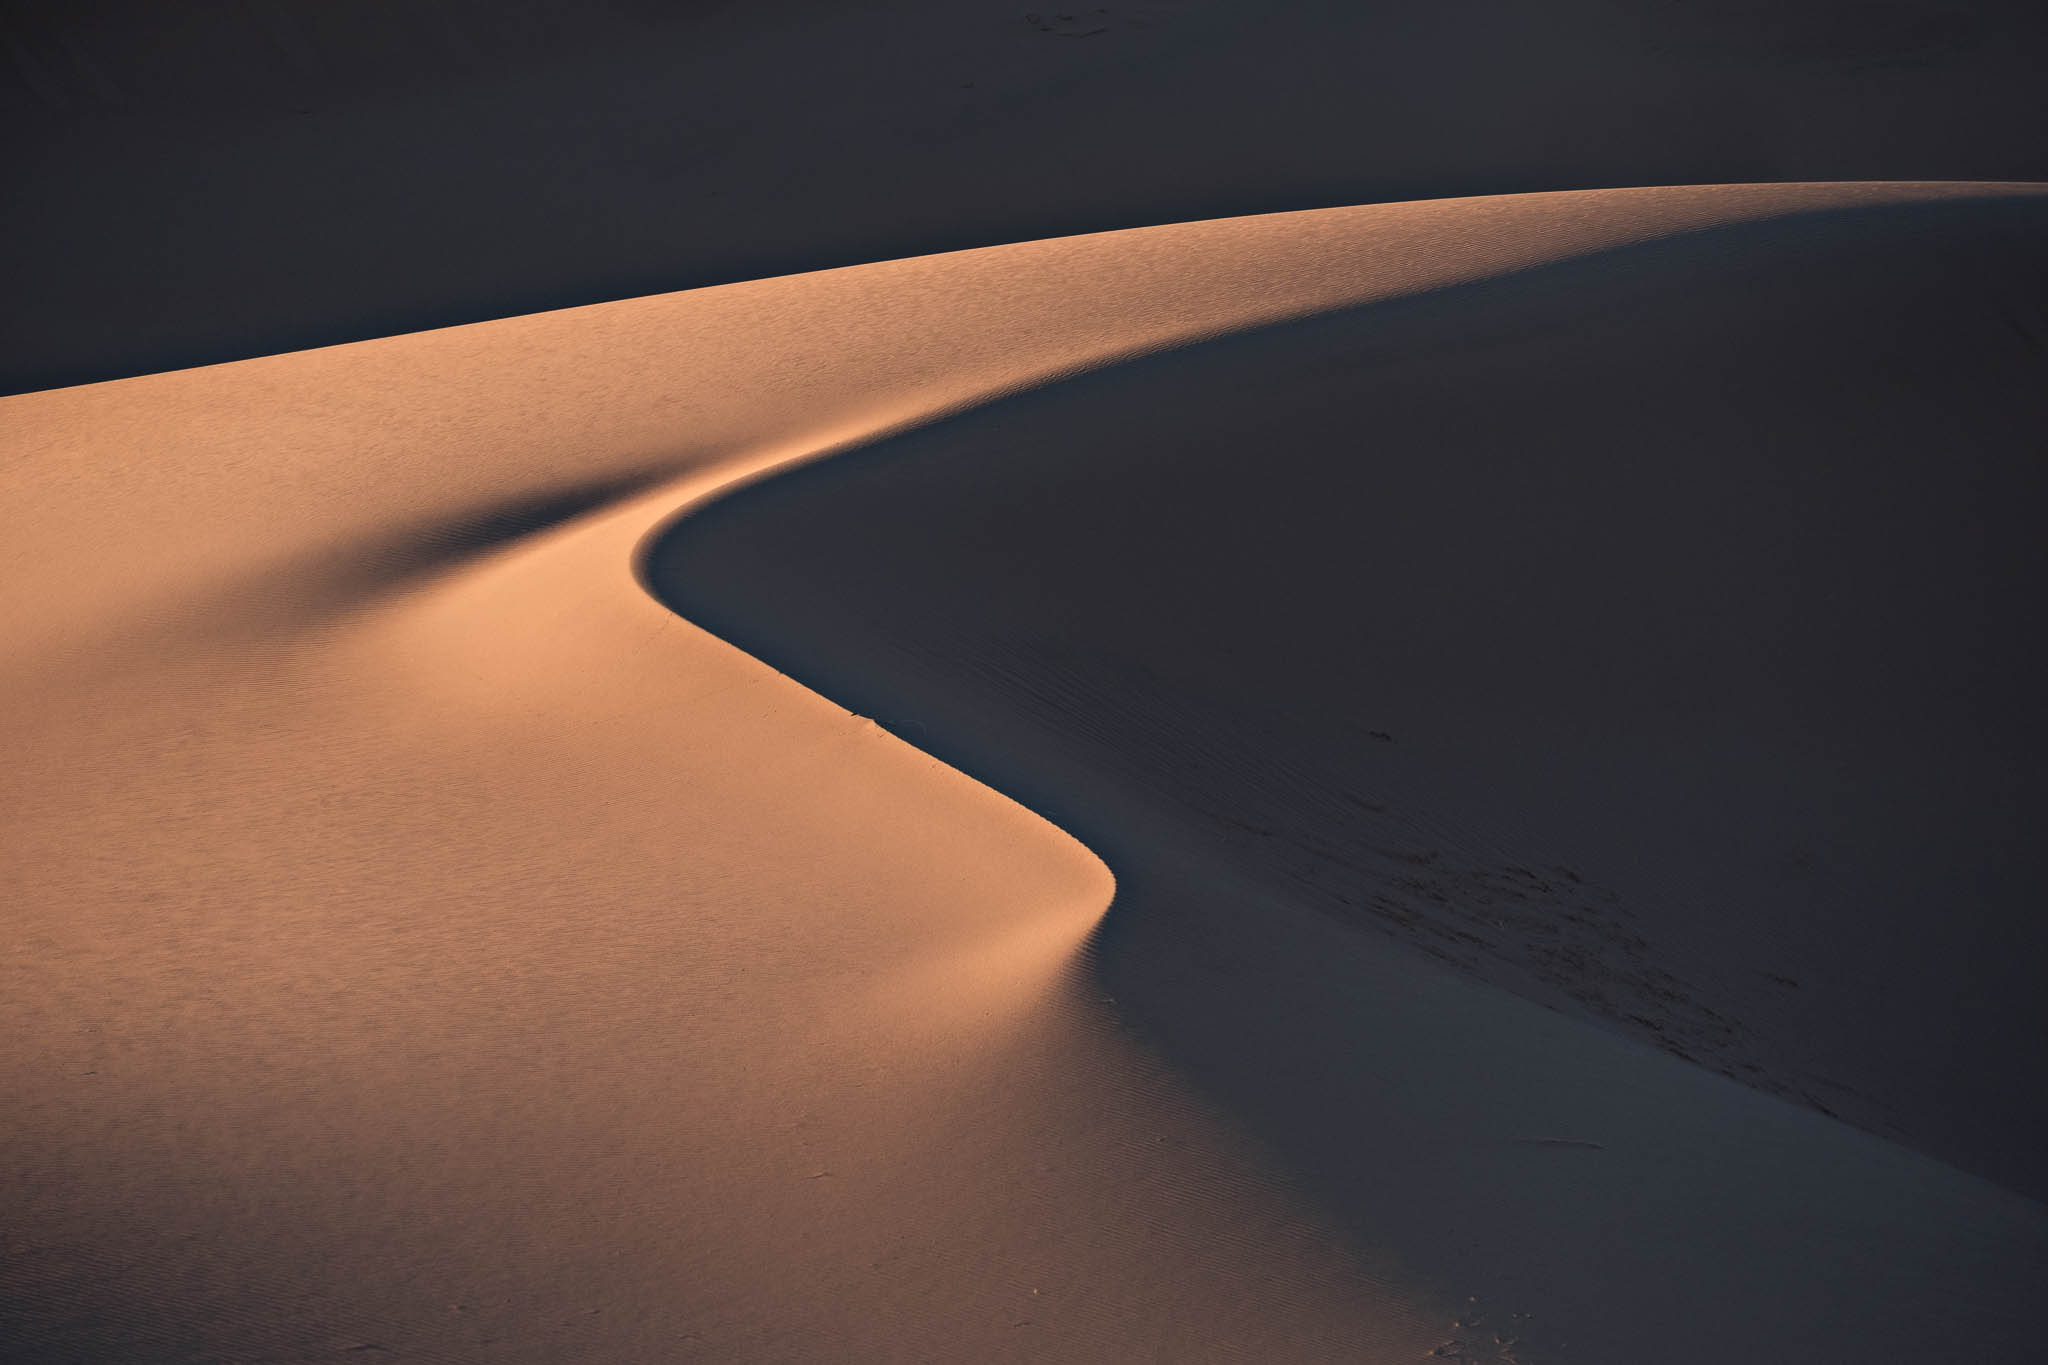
<point>425,941</point>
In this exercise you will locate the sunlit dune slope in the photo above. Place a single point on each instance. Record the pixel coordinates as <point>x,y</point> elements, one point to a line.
<point>421,941</point>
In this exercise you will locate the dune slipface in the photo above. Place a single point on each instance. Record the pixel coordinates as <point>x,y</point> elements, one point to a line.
<point>425,941</point>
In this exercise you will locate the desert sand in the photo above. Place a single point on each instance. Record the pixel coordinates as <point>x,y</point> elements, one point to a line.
<point>1444,779</point>
<point>426,941</point>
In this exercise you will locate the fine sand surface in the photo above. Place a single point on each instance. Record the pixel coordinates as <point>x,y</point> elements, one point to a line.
<point>424,944</point>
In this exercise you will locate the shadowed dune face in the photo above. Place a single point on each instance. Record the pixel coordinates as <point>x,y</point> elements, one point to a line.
<point>260,179</point>
<point>1651,634</point>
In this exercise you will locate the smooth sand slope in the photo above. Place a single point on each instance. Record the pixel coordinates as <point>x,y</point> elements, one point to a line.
<point>424,943</point>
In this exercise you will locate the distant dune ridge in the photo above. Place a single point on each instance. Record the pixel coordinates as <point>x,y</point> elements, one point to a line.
<point>429,943</point>
<point>204,181</point>
<point>1388,768</point>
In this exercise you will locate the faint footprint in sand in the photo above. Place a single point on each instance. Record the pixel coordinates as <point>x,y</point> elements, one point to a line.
<point>1063,24</point>
<point>1488,1336</point>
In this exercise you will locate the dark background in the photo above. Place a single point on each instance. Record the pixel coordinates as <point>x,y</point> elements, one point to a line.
<point>207,180</point>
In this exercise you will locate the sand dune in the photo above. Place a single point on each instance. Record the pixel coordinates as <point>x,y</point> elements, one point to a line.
<point>425,943</point>
<point>1647,632</point>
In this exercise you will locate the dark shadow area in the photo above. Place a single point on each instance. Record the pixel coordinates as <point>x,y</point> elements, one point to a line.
<point>343,578</point>
<point>193,183</point>
<point>391,560</point>
<point>1654,635</point>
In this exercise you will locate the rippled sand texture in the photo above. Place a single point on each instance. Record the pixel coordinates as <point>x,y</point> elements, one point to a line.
<point>423,943</point>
